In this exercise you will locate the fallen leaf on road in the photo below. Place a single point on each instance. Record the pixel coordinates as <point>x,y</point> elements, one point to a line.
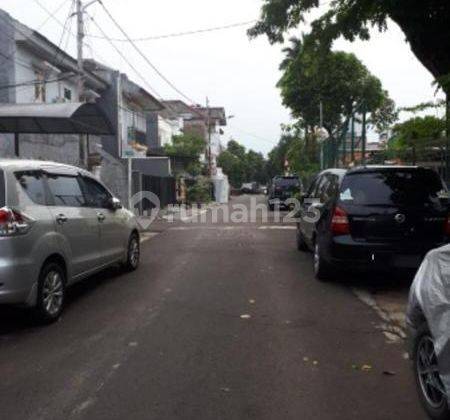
<point>225,389</point>
<point>133,344</point>
<point>306,359</point>
<point>389,373</point>
<point>245,316</point>
<point>315,363</point>
<point>366,368</point>
<point>251,301</point>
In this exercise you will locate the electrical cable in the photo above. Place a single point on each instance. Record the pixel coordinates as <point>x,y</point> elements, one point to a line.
<point>180,34</point>
<point>123,57</point>
<point>158,72</point>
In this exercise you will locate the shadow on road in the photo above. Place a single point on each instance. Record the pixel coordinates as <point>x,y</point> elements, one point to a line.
<point>15,319</point>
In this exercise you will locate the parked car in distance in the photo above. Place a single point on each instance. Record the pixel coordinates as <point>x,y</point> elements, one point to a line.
<point>373,218</point>
<point>58,225</point>
<point>283,188</point>
<point>250,188</point>
<point>428,316</point>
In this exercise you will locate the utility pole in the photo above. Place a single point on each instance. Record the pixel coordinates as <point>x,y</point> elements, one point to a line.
<point>353,139</point>
<point>80,39</point>
<point>209,138</point>
<point>80,79</point>
<point>364,135</point>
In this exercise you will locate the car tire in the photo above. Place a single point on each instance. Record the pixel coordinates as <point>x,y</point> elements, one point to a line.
<point>301,244</point>
<point>133,253</point>
<point>433,401</point>
<point>51,295</point>
<point>322,269</point>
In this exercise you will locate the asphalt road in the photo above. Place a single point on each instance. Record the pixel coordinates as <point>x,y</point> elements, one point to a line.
<point>221,321</point>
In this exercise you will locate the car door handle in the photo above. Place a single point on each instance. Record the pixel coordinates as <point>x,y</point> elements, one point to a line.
<point>61,218</point>
<point>100,217</point>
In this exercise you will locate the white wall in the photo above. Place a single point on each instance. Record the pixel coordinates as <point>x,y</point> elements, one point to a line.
<point>169,128</point>
<point>54,91</point>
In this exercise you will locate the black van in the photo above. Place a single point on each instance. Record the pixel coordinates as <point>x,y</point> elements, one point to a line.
<point>373,218</point>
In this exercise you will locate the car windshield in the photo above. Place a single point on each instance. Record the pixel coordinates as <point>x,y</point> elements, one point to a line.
<point>392,188</point>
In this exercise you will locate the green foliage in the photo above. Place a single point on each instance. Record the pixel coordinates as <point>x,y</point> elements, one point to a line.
<point>199,192</point>
<point>186,145</point>
<point>424,22</point>
<point>241,165</point>
<point>413,139</point>
<point>189,147</point>
<point>300,151</point>
<point>337,79</point>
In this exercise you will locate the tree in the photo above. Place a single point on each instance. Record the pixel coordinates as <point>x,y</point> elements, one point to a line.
<point>189,147</point>
<point>337,80</point>
<point>415,138</point>
<point>242,166</point>
<point>424,22</point>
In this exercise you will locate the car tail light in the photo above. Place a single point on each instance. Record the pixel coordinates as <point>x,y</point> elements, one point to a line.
<point>447,226</point>
<point>12,222</point>
<point>339,222</point>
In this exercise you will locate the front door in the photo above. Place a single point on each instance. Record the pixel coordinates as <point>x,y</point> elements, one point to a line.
<point>113,230</point>
<point>77,224</point>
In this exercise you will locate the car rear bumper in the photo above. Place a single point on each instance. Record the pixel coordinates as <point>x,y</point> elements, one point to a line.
<point>347,253</point>
<point>17,280</point>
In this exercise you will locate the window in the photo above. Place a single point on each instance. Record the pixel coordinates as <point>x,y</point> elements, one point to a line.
<point>66,191</point>
<point>392,188</point>
<point>67,94</point>
<point>96,195</point>
<point>32,183</point>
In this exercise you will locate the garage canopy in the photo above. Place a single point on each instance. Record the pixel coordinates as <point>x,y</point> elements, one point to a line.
<point>60,118</point>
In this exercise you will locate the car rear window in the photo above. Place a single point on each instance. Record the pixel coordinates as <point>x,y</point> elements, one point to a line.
<point>2,189</point>
<point>287,182</point>
<point>33,184</point>
<point>392,188</point>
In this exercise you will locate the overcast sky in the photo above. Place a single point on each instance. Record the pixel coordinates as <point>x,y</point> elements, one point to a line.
<point>226,66</point>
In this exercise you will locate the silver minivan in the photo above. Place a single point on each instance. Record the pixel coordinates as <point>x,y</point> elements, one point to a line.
<point>58,225</point>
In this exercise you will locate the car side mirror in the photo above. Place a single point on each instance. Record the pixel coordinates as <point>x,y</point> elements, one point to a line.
<point>115,204</point>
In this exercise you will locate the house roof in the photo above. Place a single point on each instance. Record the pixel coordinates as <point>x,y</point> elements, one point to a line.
<point>58,118</point>
<point>51,53</point>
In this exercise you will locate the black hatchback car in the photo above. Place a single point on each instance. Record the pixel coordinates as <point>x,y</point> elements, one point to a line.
<point>282,188</point>
<point>373,218</point>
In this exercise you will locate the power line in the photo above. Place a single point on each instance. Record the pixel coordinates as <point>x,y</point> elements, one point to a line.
<point>123,56</point>
<point>50,14</point>
<point>254,135</point>
<point>158,72</point>
<point>180,34</point>
<point>37,82</point>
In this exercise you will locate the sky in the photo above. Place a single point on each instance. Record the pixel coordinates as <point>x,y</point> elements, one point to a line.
<point>225,66</point>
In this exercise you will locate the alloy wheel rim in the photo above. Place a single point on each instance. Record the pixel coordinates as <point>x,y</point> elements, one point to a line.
<point>134,252</point>
<point>53,293</point>
<point>428,373</point>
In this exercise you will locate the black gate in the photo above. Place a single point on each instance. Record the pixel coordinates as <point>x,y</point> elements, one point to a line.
<point>164,188</point>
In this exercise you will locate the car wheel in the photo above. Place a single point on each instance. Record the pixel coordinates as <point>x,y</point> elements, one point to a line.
<point>301,244</point>
<point>51,292</point>
<point>133,253</point>
<point>429,384</point>
<point>322,268</point>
